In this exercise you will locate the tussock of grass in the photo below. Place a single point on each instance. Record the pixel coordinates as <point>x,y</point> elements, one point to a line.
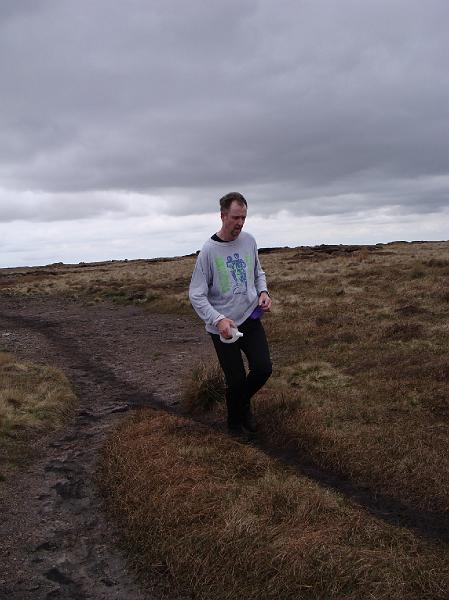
<point>225,522</point>
<point>204,388</point>
<point>32,398</point>
<point>397,454</point>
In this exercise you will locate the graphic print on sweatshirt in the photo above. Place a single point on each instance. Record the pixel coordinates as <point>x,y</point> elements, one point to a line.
<point>233,274</point>
<point>237,268</point>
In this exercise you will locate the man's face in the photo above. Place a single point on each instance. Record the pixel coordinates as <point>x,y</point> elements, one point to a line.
<point>233,220</point>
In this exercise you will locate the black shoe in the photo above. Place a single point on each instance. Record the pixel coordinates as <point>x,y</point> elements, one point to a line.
<point>248,420</point>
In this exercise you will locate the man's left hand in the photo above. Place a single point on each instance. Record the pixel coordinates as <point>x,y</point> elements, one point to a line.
<point>265,301</point>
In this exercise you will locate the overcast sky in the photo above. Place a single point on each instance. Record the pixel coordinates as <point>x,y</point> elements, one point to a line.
<point>122,123</point>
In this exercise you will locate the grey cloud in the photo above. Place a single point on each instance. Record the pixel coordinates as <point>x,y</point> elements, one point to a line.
<point>62,207</point>
<point>316,107</point>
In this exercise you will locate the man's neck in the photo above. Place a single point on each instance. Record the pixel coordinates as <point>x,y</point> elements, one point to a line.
<point>226,237</point>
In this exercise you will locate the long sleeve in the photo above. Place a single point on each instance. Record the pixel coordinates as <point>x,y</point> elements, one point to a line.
<point>260,281</point>
<point>198,292</point>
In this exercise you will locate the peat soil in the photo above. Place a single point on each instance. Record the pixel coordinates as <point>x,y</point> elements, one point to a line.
<point>56,541</point>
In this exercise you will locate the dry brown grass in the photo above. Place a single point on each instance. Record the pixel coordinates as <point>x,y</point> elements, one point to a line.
<point>363,345</point>
<point>33,399</point>
<point>157,285</point>
<point>204,388</point>
<point>223,521</point>
<point>360,389</point>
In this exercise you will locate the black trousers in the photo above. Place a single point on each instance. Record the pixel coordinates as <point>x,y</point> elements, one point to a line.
<point>240,386</point>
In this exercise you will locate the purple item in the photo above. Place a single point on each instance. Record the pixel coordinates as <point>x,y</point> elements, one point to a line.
<point>257,313</point>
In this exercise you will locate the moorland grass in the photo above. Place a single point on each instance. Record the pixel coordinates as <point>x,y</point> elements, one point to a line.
<point>369,363</point>
<point>360,388</point>
<point>33,399</point>
<point>156,285</point>
<point>204,388</point>
<point>221,521</point>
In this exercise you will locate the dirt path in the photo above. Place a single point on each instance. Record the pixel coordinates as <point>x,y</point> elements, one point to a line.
<point>55,540</point>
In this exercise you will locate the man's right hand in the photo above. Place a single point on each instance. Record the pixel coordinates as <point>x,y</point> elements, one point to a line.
<point>224,327</point>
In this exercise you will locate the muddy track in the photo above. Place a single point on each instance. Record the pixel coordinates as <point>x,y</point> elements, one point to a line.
<point>56,541</point>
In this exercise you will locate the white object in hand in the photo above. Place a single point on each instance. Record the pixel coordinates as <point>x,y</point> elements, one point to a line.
<point>236,334</point>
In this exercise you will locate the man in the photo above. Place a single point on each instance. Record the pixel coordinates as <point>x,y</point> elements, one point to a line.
<point>228,290</point>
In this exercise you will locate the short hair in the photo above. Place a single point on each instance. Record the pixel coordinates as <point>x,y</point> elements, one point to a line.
<point>228,199</point>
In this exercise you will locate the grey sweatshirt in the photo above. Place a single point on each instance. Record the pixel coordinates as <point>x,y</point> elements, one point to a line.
<point>227,280</point>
